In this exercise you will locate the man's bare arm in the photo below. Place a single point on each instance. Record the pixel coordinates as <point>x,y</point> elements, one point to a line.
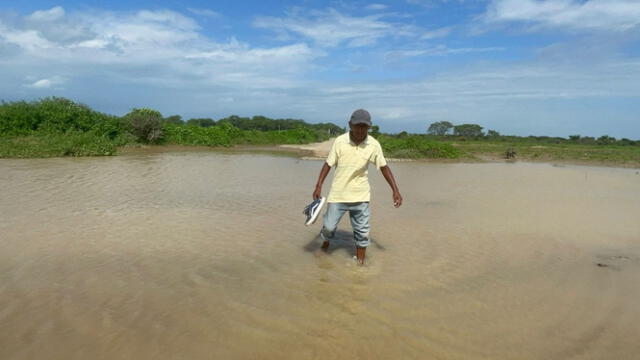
<point>323,174</point>
<point>388,175</point>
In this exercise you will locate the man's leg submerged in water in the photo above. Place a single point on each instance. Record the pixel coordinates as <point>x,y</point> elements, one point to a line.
<point>332,217</point>
<point>359,215</point>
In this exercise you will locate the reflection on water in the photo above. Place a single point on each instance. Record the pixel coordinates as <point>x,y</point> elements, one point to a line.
<point>201,255</point>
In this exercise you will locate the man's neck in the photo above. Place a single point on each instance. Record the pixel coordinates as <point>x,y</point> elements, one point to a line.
<point>354,140</point>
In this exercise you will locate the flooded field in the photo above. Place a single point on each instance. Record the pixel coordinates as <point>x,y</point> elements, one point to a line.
<point>204,255</point>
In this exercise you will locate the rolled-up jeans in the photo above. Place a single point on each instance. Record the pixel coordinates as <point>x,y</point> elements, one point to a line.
<point>359,215</point>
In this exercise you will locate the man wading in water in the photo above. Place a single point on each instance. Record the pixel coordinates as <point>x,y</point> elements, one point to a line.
<point>351,154</point>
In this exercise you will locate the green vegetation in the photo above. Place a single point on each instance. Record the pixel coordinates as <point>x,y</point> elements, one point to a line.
<point>472,143</point>
<point>417,146</point>
<point>262,123</point>
<point>71,143</point>
<point>54,127</point>
<point>439,128</point>
<point>57,127</point>
<point>225,134</point>
<point>145,124</point>
<point>467,130</point>
<point>544,150</point>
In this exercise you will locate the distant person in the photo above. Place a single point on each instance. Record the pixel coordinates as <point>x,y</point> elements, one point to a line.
<point>351,154</point>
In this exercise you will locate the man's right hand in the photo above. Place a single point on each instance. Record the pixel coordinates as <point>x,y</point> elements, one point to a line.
<point>323,174</point>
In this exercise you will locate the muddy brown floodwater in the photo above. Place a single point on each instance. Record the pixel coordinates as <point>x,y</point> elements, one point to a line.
<point>203,255</point>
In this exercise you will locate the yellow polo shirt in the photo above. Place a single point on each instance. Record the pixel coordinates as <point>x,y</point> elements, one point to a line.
<point>351,161</point>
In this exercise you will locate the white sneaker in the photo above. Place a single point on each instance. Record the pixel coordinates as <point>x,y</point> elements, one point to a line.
<point>313,210</point>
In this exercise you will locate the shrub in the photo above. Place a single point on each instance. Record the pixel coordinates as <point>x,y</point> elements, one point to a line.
<point>416,147</point>
<point>53,115</point>
<point>72,143</point>
<point>218,135</point>
<point>145,124</point>
<point>18,118</point>
<point>58,115</point>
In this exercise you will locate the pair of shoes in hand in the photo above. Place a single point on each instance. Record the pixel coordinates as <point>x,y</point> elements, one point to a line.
<point>313,210</point>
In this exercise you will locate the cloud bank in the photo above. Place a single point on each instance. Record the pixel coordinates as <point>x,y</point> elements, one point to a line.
<point>592,15</point>
<point>116,60</point>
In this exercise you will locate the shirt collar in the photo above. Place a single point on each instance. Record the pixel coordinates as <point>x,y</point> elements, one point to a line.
<point>364,142</point>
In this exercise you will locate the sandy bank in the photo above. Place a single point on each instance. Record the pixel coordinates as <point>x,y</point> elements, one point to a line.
<point>320,150</point>
<point>315,150</point>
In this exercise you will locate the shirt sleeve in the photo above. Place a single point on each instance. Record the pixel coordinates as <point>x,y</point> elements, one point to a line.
<point>378,158</point>
<point>333,155</point>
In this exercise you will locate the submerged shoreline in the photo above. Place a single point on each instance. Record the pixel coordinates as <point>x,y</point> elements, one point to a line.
<point>319,151</point>
<point>471,153</point>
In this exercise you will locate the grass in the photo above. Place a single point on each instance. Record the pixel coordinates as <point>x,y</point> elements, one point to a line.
<point>226,135</point>
<point>54,127</point>
<point>41,144</point>
<point>78,143</point>
<point>565,152</point>
<point>58,145</point>
<point>414,147</point>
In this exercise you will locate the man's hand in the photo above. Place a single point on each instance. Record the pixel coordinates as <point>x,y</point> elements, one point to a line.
<point>397,199</point>
<point>323,174</point>
<point>388,175</point>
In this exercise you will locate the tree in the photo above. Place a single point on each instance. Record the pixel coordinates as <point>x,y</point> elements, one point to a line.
<point>375,131</point>
<point>587,140</point>
<point>574,137</point>
<point>203,122</point>
<point>468,130</point>
<point>439,128</point>
<point>606,140</point>
<point>145,124</point>
<point>174,119</point>
<point>493,133</point>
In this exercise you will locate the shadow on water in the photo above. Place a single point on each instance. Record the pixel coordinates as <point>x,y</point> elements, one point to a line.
<point>343,240</point>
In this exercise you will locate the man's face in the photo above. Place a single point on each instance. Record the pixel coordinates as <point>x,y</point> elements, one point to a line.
<point>359,131</point>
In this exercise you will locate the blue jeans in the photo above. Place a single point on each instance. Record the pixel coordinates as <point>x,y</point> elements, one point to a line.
<point>359,215</point>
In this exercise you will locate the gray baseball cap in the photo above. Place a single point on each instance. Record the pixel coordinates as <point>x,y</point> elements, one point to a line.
<point>360,116</point>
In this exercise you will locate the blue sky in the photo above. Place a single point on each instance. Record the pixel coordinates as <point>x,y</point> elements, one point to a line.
<point>523,67</point>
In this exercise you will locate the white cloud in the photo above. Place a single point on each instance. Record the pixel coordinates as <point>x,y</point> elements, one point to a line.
<point>440,50</point>
<point>434,3</point>
<point>163,59</point>
<point>47,83</point>
<point>153,47</point>
<point>52,14</point>
<point>331,28</point>
<point>437,33</point>
<point>600,15</point>
<point>204,12</point>
<point>54,25</point>
<point>26,39</point>
<point>509,99</point>
<point>376,7</point>
<point>167,17</point>
<point>44,83</point>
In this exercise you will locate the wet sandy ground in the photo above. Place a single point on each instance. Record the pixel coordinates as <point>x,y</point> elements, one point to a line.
<point>316,150</point>
<point>200,255</point>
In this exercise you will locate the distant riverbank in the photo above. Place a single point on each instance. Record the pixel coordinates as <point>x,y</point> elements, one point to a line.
<point>464,151</point>
<point>626,157</point>
<point>58,127</point>
<point>472,153</point>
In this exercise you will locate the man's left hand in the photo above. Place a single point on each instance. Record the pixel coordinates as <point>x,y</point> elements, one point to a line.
<point>397,199</point>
